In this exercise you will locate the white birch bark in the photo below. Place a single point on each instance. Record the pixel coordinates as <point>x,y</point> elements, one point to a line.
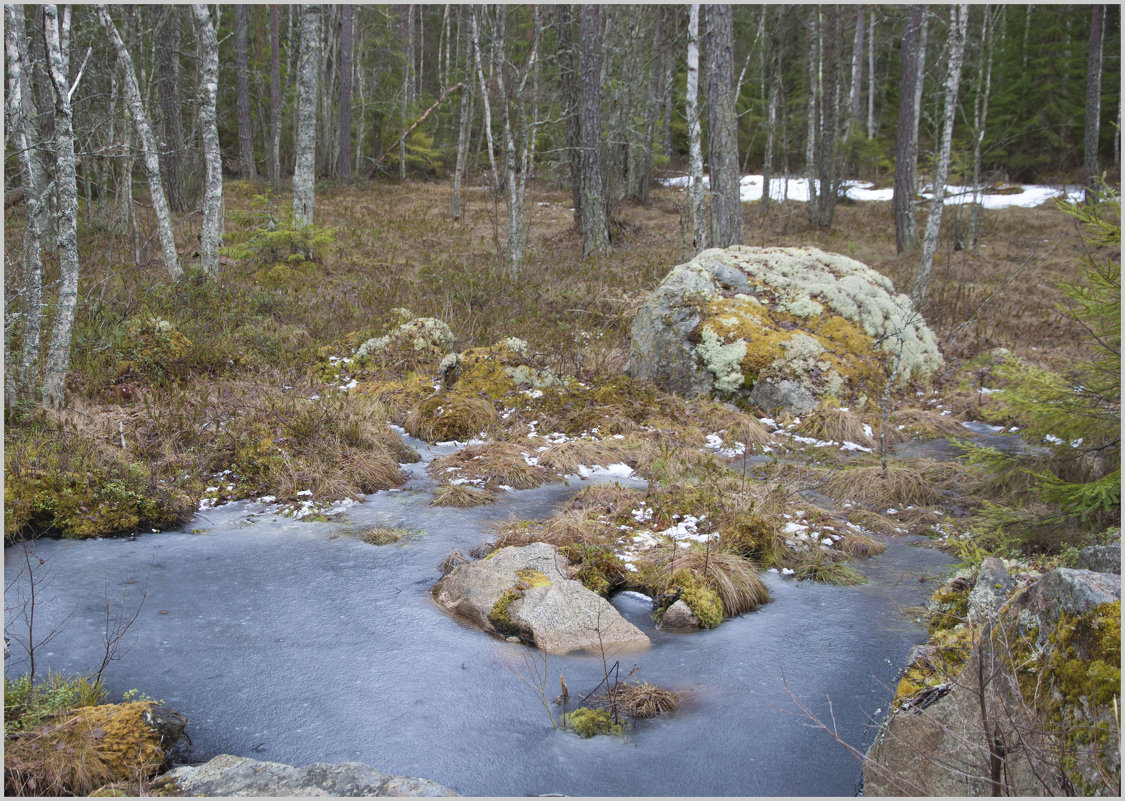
<point>464,134</point>
<point>959,17</point>
<point>34,190</point>
<point>58,356</point>
<point>208,122</point>
<point>695,158</point>
<point>149,149</point>
<point>304,173</point>
<point>495,177</point>
<point>980,119</point>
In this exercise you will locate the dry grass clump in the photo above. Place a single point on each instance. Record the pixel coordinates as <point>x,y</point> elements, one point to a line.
<point>753,535</point>
<point>835,425</point>
<point>825,567</point>
<point>610,500</point>
<point>875,522</point>
<point>641,699</point>
<point>340,473</point>
<point>733,577</point>
<point>384,535</point>
<point>493,464</point>
<point>861,546</point>
<point>449,416</point>
<point>81,751</point>
<point>922,423</point>
<point>737,425</point>
<point>665,459</point>
<point>565,457</point>
<point>902,484</point>
<point>462,496</point>
<point>571,527</point>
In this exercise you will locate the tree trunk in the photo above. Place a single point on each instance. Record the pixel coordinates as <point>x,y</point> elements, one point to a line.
<point>774,78</point>
<point>464,136</point>
<point>21,129</point>
<point>871,74</point>
<point>570,98</point>
<point>344,159</point>
<point>959,17</point>
<point>722,128</point>
<point>828,177</point>
<point>407,84</point>
<point>595,223</point>
<point>43,95</point>
<point>149,150</point>
<point>242,69</point>
<point>856,97</point>
<point>494,179</point>
<point>812,123</point>
<point>1094,100</point>
<point>208,122</point>
<point>695,150</point>
<point>652,106</point>
<point>58,357</point>
<point>304,173</point>
<point>906,146</point>
<point>171,123</point>
<point>274,164</point>
<point>980,118</point>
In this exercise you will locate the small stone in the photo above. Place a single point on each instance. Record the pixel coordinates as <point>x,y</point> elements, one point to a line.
<point>98,733</point>
<point>1100,559</point>
<point>679,617</point>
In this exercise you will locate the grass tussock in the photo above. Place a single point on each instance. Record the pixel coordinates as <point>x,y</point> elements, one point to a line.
<point>570,527</point>
<point>902,484</point>
<point>384,535</point>
<point>610,500</point>
<point>491,465</point>
<point>826,568</point>
<point>876,523</point>
<point>81,751</point>
<point>641,699</point>
<point>733,577</point>
<point>837,425</point>
<point>861,546</point>
<point>462,496</point>
<point>565,457</point>
<point>922,424</point>
<point>448,416</point>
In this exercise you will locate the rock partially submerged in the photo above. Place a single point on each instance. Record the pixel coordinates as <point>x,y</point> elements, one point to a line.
<point>780,328</point>
<point>527,592</point>
<point>227,775</point>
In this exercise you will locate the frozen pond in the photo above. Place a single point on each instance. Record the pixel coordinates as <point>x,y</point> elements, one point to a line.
<point>296,642</point>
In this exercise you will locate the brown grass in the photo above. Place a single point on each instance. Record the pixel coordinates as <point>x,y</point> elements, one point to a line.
<point>570,527</point>
<point>565,457</point>
<point>922,423</point>
<point>495,464</point>
<point>875,522</point>
<point>610,500</point>
<point>462,496</point>
<point>641,699</point>
<point>733,577</point>
<point>383,535</point>
<point>861,546</point>
<point>448,416</point>
<point>835,425</point>
<point>903,484</point>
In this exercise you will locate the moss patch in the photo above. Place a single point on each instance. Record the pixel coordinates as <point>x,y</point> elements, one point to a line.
<point>587,722</point>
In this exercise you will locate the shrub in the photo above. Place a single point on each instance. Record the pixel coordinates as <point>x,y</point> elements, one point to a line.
<point>267,234</point>
<point>27,704</point>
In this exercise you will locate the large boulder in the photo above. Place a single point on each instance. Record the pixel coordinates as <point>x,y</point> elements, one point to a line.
<point>527,592</point>
<point>227,775</point>
<point>782,328</point>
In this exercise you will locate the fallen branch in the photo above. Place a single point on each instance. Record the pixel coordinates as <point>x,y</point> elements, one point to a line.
<point>415,124</point>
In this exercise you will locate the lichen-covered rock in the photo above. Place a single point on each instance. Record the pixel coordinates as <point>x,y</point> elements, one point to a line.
<point>227,775</point>
<point>1063,591</point>
<point>527,592</point>
<point>991,590</point>
<point>422,338</point>
<point>780,328</point>
<point>1100,558</point>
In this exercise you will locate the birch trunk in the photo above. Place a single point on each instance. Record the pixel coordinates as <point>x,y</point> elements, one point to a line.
<point>21,128</point>
<point>58,356</point>
<point>304,173</point>
<point>274,164</point>
<point>464,132</point>
<point>208,123</point>
<point>344,158</point>
<point>871,74</point>
<point>959,16</point>
<point>855,106</point>
<point>695,150</point>
<point>980,119</point>
<point>906,146</point>
<point>722,125</point>
<point>494,179</point>
<point>827,165</point>
<point>1094,100</point>
<point>242,70</point>
<point>149,150</point>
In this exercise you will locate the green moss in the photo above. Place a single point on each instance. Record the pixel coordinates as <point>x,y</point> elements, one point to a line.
<point>949,606</point>
<point>599,568</point>
<point>948,653</point>
<point>499,614</point>
<point>703,601</point>
<point>587,722</point>
<point>1085,663</point>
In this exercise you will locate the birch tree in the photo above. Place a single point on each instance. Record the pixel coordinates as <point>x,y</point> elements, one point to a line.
<point>149,150</point>
<point>570,97</point>
<point>980,118</point>
<point>722,128</point>
<point>208,99</point>
<point>906,145</point>
<point>168,92</point>
<point>595,222</point>
<point>242,71</point>
<point>273,163</point>
<point>494,178</point>
<point>20,126</point>
<point>958,23</point>
<point>58,356</point>
<point>304,173</point>
<point>695,150</point>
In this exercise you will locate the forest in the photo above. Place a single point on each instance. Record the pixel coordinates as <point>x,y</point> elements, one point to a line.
<point>671,327</point>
